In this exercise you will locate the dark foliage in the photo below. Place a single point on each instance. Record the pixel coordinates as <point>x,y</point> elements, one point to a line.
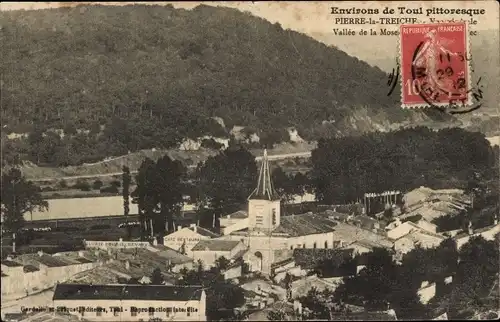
<point>158,193</point>
<point>109,189</point>
<point>82,185</point>
<point>222,296</point>
<point>97,185</point>
<point>474,269</point>
<point>126,179</point>
<point>226,180</point>
<point>18,197</point>
<point>157,277</point>
<point>345,168</point>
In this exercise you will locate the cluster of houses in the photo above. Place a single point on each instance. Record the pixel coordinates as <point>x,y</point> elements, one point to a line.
<point>258,240</point>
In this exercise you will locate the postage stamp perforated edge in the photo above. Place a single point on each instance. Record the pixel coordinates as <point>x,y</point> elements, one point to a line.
<point>401,79</point>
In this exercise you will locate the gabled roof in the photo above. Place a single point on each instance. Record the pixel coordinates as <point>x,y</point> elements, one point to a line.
<point>204,232</point>
<point>44,259</point>
<point>305,224</point>
<point>240,214</point>
<point>83,260</point>
<point>368,244</point>
<point>265,189</point>
<point>10,263</point>
<point>215,245</point>
<point>416,236</point>
<point>126,292</point>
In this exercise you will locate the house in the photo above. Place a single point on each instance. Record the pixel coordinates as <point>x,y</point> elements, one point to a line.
<point>400,229</point>
<point>363,246</point>
<point>424,239</point>
<point>426,292</point>
<point>427,226</point>
<point>120,302</point>
<point>208,251</point>
<point>184,239</point>
<point>487,233</point>
<point>29,273</point>
<point>138,264</point>
<point>233,270</point>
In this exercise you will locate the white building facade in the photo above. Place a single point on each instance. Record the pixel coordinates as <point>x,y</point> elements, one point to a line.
<point>131,302</point>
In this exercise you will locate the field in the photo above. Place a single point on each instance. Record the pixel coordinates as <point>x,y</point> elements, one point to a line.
<point>112,167</point>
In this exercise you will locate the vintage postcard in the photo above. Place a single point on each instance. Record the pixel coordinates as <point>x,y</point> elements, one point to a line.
<point>250,161</point>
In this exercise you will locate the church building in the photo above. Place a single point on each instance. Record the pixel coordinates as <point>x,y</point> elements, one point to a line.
<point>272,238</point>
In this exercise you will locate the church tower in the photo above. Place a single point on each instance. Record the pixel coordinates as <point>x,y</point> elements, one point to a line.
<point>264,202</point>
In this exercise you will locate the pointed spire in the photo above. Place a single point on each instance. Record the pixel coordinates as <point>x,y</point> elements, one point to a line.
<point>265,189</point>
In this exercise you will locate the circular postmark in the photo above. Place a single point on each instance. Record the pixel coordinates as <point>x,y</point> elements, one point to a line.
<point>441,77</point>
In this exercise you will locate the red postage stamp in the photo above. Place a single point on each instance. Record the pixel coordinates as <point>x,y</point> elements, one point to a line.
<point>435,65</point>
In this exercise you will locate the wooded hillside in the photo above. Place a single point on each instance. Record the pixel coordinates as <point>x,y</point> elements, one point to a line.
<point>161,73</point>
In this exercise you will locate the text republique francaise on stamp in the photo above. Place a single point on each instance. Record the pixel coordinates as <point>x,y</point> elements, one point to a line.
<point>435,71</point>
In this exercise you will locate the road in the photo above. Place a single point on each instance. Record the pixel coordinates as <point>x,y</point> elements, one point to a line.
<point>274,157</point>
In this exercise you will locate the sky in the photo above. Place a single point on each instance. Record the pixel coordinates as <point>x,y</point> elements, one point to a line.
<point>316,20</point>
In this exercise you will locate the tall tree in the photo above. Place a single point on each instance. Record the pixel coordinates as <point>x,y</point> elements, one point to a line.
<point>283,184</point>
<point>19,196</point>
<point>227,179</point>
<point>476,276</point>
<point>126,179</point>
<point>144,195</point>
<point>381,282</point>
<point>300,184</point>
<point>168,186</point>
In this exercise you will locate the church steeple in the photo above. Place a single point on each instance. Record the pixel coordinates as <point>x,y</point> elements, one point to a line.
<point>265,189</point>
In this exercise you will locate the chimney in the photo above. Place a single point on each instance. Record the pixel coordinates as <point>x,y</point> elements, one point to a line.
<point>120,240</point>
<point>80,253</point>
<point>155,241</point>
<point>14,242</point>
<point>127,265</point>
<point>471,231</point>
<point>495,222</point>
<point>40,253</point>
<point>194,227</point>
<point>424,284</point>
<point>179,227</point>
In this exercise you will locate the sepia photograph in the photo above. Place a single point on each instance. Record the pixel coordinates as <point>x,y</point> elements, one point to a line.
<point>250,161</point>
